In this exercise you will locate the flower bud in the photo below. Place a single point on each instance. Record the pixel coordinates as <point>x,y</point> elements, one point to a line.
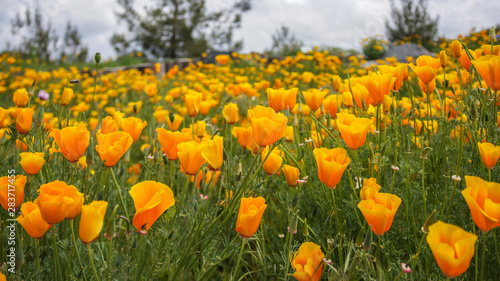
<point>111,227</point>
<point>492,35</point>
<point>97,57</point>
<point>428,222</point>
<point>292,228</point>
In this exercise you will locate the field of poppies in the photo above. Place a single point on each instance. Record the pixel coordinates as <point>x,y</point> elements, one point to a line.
<point>311,167</point>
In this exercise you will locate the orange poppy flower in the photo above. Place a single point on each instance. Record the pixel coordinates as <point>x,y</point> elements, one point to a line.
<point>379,209</point>
<point>360,93</point>
<point>111,147</point>
<point>230,113</point>
<point>489,69</point>
<point>250,215</point>
<point>378,85</point>
<point>32,221</point>
<point>66,97</point>
<point>290,98</point>
<point>189,154</point>
<point>108,125</point>
<point>429,61</point>
<point>331,164</point>
<point>21,97</point>
<point>133,126</point>
<point>24,119</point>
<point>273,161</point>
<point>465,60</point>
<point>331,105</point>
<point>169,141</point>
<point>489,154</point>
<point>308,262</point>
<point>452,247</point>
<point>58,200</point>
<point>151,199</point>
<point>275,98</point>
<point>213,152</point>
<point>425,73</point>
<point>267,125</point>
<point>353,129</point>
<point>193,102</point>
<point>72,141</point>
<point>222,59</point>
<point>291,175</point>
<point>483,198</point>
<point>12,186</point>
<point>314,98</point>
<point>32,162</point>
<point>456,48</point>
<point>245,138</point>
<point>92,221</point>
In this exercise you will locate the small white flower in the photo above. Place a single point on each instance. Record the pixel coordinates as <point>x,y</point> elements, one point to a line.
<point>456,178</point>
<point>328,261</point>
<point>150,156</point>
<point>309,140</point>
<point>301,181</point>
<point>281,235</point>
<point>395,168</point>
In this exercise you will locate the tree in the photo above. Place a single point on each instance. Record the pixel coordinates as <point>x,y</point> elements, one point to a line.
<point>37,38</point>
<point>73,48</point>
<point>173,28</point>
<point>412,19</point>
<point>285,43</point>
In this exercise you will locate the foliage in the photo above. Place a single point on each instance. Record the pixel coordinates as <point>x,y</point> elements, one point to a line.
<point>284,43</point>
<point>175,28</point>
<point>412,21</point>
<point>374,47</point>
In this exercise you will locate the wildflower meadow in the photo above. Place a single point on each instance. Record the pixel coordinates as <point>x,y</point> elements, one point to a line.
<point>306,167</point>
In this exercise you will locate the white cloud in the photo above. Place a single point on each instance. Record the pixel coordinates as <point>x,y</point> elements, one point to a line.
<point>318,22</point>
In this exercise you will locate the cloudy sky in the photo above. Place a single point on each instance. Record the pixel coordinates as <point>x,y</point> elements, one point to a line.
<point>315,22</point>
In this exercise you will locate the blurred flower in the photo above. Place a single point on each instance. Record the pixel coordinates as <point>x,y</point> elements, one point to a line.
<point>92,220</point>
<point>489,69</point>
<point>222,59</point>
<point>21,97</point>
<point>24,119</point>
<point>330,103</point>
<point>250,215</point>
<point>452,247</point>
<point>230,113</point>
<point>32,221</point>
<point>378,85</point>
<point>108,125</point>
<point>314,98</point>
<point>151,89</point>
<point>151,199</point>
<point>32,162</point>
<point>308,262</point>
<point>483,198</point>
<point>133,126</point>
<point>456,48</point>
<point>12,186</point>
<point>331,164</point>
<point>72,141</point>
<point>58,200</point>
<point>193,101</point>
<point>111,147</point>
<point>67,96</point>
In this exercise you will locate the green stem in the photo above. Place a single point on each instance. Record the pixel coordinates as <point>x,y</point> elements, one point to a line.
<point>92,261</point>
<point>118,188</point>
<point>237,267</point>
<point>110,244</point>
<point>424,192</point>
<point>37,257</point>
<point>483,258</point>
<point>73,237</point>
<point>288,248</point>
<point>496,247</point>
<point>56,254</point>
